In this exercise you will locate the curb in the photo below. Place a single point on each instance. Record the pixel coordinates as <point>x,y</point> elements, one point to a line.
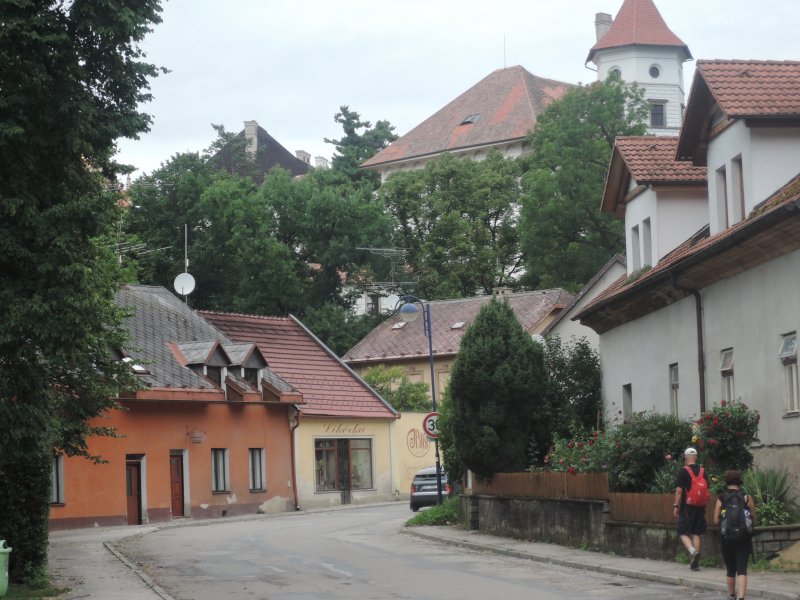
<point>752,591</point>
<point>137,571</point>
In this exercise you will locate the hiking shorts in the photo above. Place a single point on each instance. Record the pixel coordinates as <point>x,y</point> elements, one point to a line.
<point>692,520</point>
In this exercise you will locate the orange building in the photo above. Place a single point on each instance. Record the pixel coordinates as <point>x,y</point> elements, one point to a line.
<point>209,434</point>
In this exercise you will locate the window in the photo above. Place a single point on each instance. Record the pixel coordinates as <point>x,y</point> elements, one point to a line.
<point>737,181</point>
<point>214,374</point>
<point>726,370</point>
<point>470,119</point>
<point>457,325</point>
<point>252,376</point>
<point>343,464</point>
<point>655,71</point>
<point>220,480</point>
<point>627,400</point>
<point>674,384</point>
<point>647,244</point>
<point>257,470</point>
<point>635,248</point>
<point>788,355</point>
<point>57,480</point>
<point>399,325</point>
<point>722,198</point>
<point>658,114</point>
<point>615,72</point>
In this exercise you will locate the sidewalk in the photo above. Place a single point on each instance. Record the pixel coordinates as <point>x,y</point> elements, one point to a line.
<point>778,586</point>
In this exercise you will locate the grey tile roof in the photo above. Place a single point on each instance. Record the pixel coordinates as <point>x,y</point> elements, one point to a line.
<point>161,320</point>
<point>238,353</point>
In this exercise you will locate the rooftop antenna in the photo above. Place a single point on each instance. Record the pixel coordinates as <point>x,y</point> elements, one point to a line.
<point>184,283</point>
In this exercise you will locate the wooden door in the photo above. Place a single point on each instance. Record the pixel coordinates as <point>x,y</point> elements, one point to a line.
<point>133,479</point>
<point>176,484</point>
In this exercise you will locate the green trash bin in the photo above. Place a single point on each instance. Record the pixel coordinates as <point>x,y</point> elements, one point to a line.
<point>4,552</point>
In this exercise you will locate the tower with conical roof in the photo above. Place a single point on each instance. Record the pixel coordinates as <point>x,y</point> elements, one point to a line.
<point>640,48</point>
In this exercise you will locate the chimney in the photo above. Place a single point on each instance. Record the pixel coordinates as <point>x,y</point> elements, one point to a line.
<point>251,133</point>
<point>602,23</point>
<point>320,162</point>
<point>502,291</point>
<point>303,155</point>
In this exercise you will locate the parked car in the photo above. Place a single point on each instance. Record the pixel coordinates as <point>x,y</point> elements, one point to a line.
<point>423,488</point>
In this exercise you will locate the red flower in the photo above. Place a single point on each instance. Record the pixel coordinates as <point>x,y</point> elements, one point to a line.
<point>700,442</point>
<point>580,445</point>
<point>591,442</point>
<point>571,445</point>
<point>571,470</point>
<point>713,442</point>
<point>584,459</point>
<point>561,461</point>
<point>722,403</point>
<point>716,421</point>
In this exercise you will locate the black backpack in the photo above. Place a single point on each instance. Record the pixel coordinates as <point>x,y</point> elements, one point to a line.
<point>736,522</point>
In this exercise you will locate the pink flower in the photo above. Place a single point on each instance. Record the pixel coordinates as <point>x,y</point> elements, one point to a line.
<point>561,461</point>
<point>668,457</point>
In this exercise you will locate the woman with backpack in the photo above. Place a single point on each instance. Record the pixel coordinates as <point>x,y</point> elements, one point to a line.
<point>733,515</point>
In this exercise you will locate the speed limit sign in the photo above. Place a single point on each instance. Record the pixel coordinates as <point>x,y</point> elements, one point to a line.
<point>431,425</point>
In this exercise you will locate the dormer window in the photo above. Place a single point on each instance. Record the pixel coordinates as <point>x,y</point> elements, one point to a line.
<point>457,325</point>
<point>252,376</point>
<point>214,374</point>
<point>469,120</point>
<point>399,325</point>
<point>137,368</point>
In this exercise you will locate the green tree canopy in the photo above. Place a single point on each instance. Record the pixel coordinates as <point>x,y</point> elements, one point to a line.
<point>458,221</point>
<point>498,394</point>
<point>564,236</point>
<point>360,142</point>
<point>72,77</point>
<point>393,384</point>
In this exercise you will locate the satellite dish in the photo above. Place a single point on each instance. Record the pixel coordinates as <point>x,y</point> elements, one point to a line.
<point>184,284</point>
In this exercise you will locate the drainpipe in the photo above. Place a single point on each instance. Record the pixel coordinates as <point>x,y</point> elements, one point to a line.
<point>294,423</point>
<point>701,370</point>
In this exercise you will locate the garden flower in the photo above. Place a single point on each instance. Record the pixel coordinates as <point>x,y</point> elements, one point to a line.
<point>722,404</point>
<point>694,439</point>
<point>668,457</point>
<point>571,470</point>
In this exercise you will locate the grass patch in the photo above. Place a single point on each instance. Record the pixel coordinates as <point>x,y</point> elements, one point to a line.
<point>19,592</point>
<point>448,513</point>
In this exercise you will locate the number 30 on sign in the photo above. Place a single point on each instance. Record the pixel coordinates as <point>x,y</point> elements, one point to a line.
<point>431,425</point>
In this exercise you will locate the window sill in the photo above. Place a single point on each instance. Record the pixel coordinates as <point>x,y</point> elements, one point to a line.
<point>220,492</point>
<point>791,415</point>
<point>58,504</point>
<point>259,491</point>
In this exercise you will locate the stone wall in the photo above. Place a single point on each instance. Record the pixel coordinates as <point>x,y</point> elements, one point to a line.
<point>586,524</point>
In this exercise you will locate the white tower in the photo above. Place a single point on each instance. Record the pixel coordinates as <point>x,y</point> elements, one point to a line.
<point>640,47</point>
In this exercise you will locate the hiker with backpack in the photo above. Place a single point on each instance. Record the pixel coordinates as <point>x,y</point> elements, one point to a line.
<point>734,514</point>
<point>689,507</point>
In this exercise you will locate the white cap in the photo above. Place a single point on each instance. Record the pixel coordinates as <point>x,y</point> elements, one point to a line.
<point>690,451</point>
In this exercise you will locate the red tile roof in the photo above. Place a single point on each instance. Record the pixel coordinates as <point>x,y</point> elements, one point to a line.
<point>648,160</point>
<point>329,387</point>
<point>386,343</point>
<point>751,89</point>
<point>747,88</point>
<point>507,103</point>
<point>651,159</point>
<point>698,248</point>
<point>638,23</point>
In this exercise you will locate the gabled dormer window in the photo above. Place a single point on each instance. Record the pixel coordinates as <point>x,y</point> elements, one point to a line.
<point>252,376</point>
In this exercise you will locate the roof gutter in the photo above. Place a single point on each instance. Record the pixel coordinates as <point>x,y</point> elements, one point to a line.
<point>701,367</point>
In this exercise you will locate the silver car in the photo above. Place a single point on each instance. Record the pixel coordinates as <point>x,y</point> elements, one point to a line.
<point>423,488</point>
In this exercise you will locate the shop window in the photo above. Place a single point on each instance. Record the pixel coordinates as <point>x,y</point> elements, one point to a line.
<point>343,464</point>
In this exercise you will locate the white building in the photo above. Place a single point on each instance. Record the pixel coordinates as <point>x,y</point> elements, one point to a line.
<point>716,317</point>
<point>639,47</point>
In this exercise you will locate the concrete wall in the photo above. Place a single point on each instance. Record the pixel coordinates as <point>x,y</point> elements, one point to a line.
<point>585,523</point>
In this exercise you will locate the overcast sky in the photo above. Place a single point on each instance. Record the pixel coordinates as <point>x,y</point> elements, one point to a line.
<point>291,64</point>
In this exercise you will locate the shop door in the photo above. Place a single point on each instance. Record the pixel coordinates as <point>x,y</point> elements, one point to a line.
<point>343,459</point>
<point>176,484</point>
<point>133,479</point>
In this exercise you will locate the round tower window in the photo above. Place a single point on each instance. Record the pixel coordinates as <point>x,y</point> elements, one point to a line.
<point>655,72</point>
<point>615,72</point>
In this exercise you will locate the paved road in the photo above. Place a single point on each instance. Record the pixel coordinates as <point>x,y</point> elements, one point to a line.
<point>359,554</point>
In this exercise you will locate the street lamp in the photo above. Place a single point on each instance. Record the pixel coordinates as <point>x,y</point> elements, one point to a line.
<point>409,314</point>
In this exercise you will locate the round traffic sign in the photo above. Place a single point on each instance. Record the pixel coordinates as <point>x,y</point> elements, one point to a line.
<point>431,425</point>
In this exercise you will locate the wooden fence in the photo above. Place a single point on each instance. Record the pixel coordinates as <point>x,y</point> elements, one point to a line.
<point>547,484</point>
<point>628,507</point>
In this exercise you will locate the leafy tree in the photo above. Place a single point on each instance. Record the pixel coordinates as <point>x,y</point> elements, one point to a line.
<point>458,221</point>
<point>338,327</point>
<point>72,79</point>
<point>573,369</point>
<point>565,237</point>
<point>498,393</point>
<point>393,384</point>
<point>353,148</point>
